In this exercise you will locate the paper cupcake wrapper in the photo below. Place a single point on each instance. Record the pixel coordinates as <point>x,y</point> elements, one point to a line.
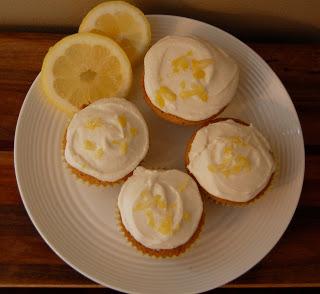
<point>162,253</point>
<point>221,201</point>
<point>146,165</point>
<point>88,180</point>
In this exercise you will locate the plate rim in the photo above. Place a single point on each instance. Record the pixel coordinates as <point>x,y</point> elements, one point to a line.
<point>70,263</point>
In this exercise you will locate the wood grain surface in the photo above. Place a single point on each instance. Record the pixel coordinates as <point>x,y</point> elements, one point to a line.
<point>25,259</point>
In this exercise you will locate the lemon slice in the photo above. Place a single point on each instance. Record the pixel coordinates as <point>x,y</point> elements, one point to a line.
<point>122,22</point>
<point>82,68</point>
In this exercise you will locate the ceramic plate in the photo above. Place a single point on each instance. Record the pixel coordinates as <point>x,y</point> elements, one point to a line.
<point>78,221</point>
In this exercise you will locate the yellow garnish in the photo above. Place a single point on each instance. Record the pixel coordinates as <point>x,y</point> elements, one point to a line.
<point>163,224</point>
<point>232,163</point>
<point>166,93</point>
<point>122,120</point>
<point>124,147</point>
<point>165,227</point>
<point>180,63</point>
<point>150,218</point>
<point>227,150</point>
<point>198,67</point>
<point>145,194</point>
<point>159,202</point>
<point>89,145</point>
<point>198,74</point>
<point>160,101</point>
<point>139,206</point>
<point>144,201</point>
<point>133,132</point>
<point>94,123</point>
<point>99,153</point>
<point>196,90</point>
<point>242,162</point>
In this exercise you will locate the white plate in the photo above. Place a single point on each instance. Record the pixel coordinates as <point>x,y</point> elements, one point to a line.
<point>78,223</point>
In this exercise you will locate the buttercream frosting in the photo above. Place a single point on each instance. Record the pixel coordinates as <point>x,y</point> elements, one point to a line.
<point>107,139</point>
<point>231,161</point>
<point>189,78</point>
<point>160,208</point>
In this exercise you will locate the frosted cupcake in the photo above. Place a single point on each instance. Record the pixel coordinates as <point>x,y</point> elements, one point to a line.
<point>231,161</point>
<point>106,141</point>
<point>187,80</point>
<point>161,211</point>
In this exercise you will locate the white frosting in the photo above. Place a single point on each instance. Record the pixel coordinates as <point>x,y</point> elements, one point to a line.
<point>219,81</point>
<point>160,209</point>
<point>231,161</point>
<point>107,139</point>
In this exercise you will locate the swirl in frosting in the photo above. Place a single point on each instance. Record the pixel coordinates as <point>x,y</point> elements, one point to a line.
<point>189,78</point>
<point>160,209</point>
<point>107,139</point>
<point>231,161</point>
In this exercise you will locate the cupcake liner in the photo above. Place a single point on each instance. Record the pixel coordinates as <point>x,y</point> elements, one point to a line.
<point>161,253</point>
<point>155,167</point>
<point>144,164</point>
<point>219,200</point>
<point>89,180</point>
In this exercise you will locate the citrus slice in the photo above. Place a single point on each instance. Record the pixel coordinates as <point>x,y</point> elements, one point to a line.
<point>82,68</point>
<point>122,22</point>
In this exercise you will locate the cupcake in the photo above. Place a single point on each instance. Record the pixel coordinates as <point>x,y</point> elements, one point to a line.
<point>161,211</point>
<point>231,160</point>
<point>187,80</point>
<point>106,141</point>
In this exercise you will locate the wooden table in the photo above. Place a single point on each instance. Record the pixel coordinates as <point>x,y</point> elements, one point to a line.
<point>25,259</point>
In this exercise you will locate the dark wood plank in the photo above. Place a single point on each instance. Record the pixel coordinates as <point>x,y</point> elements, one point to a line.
<point>20,61</point>
<point>9,193</point>
<point>295,259</point>
<point>100,290</point>
<point>21,54</point>
<point>298,67</point>
<point>42,275</point>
